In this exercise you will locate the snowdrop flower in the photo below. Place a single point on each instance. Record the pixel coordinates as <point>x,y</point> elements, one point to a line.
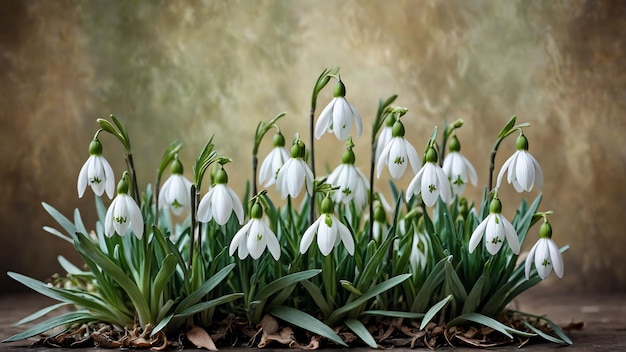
<point>430,181</point>
<point>352,183</point>
<point>420,250</point>
<point>123,214</point>
<point>545,254</point>
<point>176,191</point>
<point>96,172</point>
<point>254,236</point>
<point>294,173</point>
<point>524,170</point>
<point>397,153</point>
<point>330,231</point>
<point>495,228</point>
<point>220,202</point>
<point>458,168</point>
<point>274,161</point>
<point>337,116</point>
<point>379,227</point>
<point>385,136</point>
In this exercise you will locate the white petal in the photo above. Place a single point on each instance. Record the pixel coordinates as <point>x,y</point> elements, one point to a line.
<point>272,243</point>
<point>256,239</point>
<point>357,119</point>
<point>525,171</point>
<point>414,159</point>
<point>236,204</point>
<point>503,169</point>
<point>136,219</point>
<point>342,118</point>
<point>470,169</point>
<point>382,160</point>
<point>538,175</point>
<point>308,177</point>
<point>556,258</point>
<point>397,158</point>
<point>430,180</point>
<point>326,236</point>
<point>222,204</point>
<point>81,184</point>
<point>494,234</point>
<point>346,237</point>
<point>204,212</point>
<point>295,178</point>
<point>238,238</point>
<point>529,259</point>
<point>307,237</point>
<point>96,171</point>
<point>325,119</point>
<point>109,178</point>
<point>415,185</point>
<point>120,211</point>
<point>477,235</point>
<point>383,140</point>
<point>511,235</point>
<point>108,221</point>
<point>543,253</point>
<point>445,190</point>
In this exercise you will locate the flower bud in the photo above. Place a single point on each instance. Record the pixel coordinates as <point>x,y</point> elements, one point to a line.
<point>379,214</point>
<point>545,231</point>
<point>327,206</point>
<point>340,90</point>
<point>521,143</point>
<point>257,211</point>
<point>431,155</point>
<point>95,147</point>
<point>398,129</point>
<point>454,145</point>
<point>177,167</point>
<point>279,140</point>
<point>495,207</point>
<point>221,177</point>
<point>348,157</point>
<point>122,187</point>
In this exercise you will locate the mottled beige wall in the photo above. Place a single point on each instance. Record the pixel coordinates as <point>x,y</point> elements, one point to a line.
<point>187,70</point>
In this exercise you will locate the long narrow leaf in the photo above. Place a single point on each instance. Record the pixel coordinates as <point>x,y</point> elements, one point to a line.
<point>317,296</point>
<point>434,310</point>
<point>361,331</point>
<point>393,314</point>
<point>489,322</point>
<point>63,319</point>
<point>200,307</point>
<point>307,322</point>
<point>65,223</point>
<point>285,281</point>
<point>209,285</point>
<point>40,313</point>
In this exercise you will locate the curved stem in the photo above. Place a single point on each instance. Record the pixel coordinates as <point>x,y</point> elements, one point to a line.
<point>312,156</point>
<point>255,162</point>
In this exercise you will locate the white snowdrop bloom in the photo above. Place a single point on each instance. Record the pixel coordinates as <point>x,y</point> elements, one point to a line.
<point>329,230</point>
<point>96,172</point>
<point>419,251</point>
<point>524,170</point>
<point>176,191</point>
<point>384,136</point>
<point>338,115</point>
<point>294,173</point>
<point>254,237</point>
<point>545,254</point>
<point>220,202</point>
<point>495,228</point>
<point>458,168</point>
<point>273,161</point>
<point>397,154</point>
<point>430,181</point>
<point>123,214</point>
<point>352,183</point>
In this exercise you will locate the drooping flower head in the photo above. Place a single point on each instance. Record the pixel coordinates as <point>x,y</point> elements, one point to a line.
<point>352,183</point>
<point>274,161</point>
<point>123,214</point>
<point>385,135</point>
<point>397,154</point>
<point>545,254</point>
<point>430,181</point>
<point>420,250</point>
<point>338,115</point>
<point>330,231</point>
<point>495,228</point>
<point>96,172</point>
<point>254,237</point>
<point>295,173</point>
<point>458,168</point>
<point>524,170</point>
<point>220,202</point>
<point>176,191</point>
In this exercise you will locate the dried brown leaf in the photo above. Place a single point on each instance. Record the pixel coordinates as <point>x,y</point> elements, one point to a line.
<point>200,338</point>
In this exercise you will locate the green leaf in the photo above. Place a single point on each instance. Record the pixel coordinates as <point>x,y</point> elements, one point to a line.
<point>544,335</point>
<point>454,282</point>
<point>162,324</point>
<point>86,247</point>
<point>307,322</point>
<point>557,329</point>
<point>505,130</point>
<point>361,331</point>
<point>285,281</point>
<point>489,322</point>
<point>373,292</point>
<point>162,277</point>
<point>58,233</point>
<point>209,285</point>
<point>40,313</point>
<point>65,223</point>
<point>200,307</point>
<point>474,297</point>
<point>69,267</point>
<point>67,318</point>
<point>393,314</point>
<point>432,282</point>
<point>430,314</point>
<point>317,296</point>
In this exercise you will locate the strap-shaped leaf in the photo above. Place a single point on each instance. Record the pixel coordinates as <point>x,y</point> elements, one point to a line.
<point>393,314</point>
<point>65,223</point>
<point>489,322</point>
<point>544,335</point>
<point>284,282</point>
<point>40,313</point>
<point>430,314</point>
<point>361,331</point>
<point>202,306</point>
<point>306,322</point>
<point>432,282</point>
<point>67,318</point>
<point>209,285</point>
<point>317,296</point>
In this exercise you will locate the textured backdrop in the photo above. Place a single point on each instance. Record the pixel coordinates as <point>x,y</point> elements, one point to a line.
<point>180,70</point>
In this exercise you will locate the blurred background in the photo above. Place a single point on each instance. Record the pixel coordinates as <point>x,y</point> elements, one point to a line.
<point>186,70</point>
